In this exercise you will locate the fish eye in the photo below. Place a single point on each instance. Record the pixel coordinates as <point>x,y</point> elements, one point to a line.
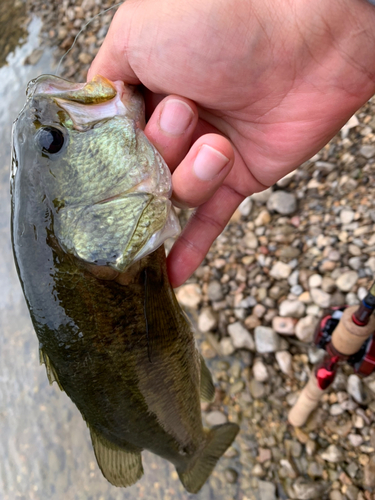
<point>50,140</point>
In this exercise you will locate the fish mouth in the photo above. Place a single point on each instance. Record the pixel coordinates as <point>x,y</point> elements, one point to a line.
<point>90,102</point>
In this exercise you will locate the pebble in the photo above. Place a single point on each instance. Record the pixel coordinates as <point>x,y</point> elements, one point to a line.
<point>241,337</point>
<point>284,326</point>
<point>346,216</point>
<point>346,281</point>
<point>282,202</point>
<point>266,339</point>
<point>216,418</point>
<point>367,150</point>
<point>280,271</point>
<point>260,371</point>
<point>332,454</point>
<point>292,308</point>
<point>335,495</point>
<point>189,295</point>
<point>267,490</point>
<point>214,291</point>
<point>356,389</point>
<point>305,328</point>
<point>207,320</point>
<point>246,206</point>
<point>257,389</point>
<point>250,241</point>
<point>320,298</point>
<point>284,360</point>
<point>226,346</point>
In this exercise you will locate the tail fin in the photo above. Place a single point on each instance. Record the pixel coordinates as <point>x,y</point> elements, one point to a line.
<point>218,439</point>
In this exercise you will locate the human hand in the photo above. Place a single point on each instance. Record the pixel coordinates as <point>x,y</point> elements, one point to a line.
<point>278,79</point>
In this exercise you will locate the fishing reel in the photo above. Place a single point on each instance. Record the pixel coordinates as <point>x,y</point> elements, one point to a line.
<point>363,361</point>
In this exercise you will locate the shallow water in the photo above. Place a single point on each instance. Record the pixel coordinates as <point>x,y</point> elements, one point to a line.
<point>45,450</point>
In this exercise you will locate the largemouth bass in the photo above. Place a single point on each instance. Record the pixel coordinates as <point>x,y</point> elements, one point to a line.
<point>90,213</point>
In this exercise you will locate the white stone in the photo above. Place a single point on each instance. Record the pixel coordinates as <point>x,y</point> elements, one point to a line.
<point>346,216</point>
<point>305,328</point>
<point>246,206</point>
<point>320,298</point>
<point>263,196</point>
<point>315,281</point>
<point>207,320</point>
<point>241,337</point>
<point>284,360</point>
<point>216,418</point>
<point>250,240</point>
<point>346,281</point>
<point>266,339</point>
<point>227,347</point>
<point>355,388</point>
<point>293,308</point>
<point>355,440</point>
<point>280,271</point>
<point>371,264</point>
<point>189,295</point>
<point>260,371</point>
<point>332,454</point>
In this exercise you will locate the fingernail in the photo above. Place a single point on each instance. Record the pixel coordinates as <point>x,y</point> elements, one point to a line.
<point>175,117</point>
<point>208,163</point>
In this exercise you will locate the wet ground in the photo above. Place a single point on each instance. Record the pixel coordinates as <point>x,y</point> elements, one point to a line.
<point>45,450</point>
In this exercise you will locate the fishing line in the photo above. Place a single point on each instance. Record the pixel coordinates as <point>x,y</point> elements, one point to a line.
<point>80,31</point>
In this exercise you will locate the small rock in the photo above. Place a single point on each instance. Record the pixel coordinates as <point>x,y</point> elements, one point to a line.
<point>214,291</point>
<point>346,281</point>
<point>230,476</point>
<point>284,326</point>
<point>328,284</point>
<point>267,490</point>
<point>241,338</point>
<point>280,271</point>
<point>315,281</point>
<point>246,206</point>
<point>335,495</point>
<point>257,389</point>
<point>293,308</point>
<point>320,298</point>
<point>336,409</point>
<point>351,492</point>
<point>309,490</point>
<point>85,58</point>
<point>264,218</point>
<point>346,216</point>
<point>260,371</point>
<point>250,240</point>
<point>369,473</point>
<point>264,454</point>
<point>227,347</point>
<point>332,454</point>
<point>266,339</point>
<point>282,202</point>
<point>216,418</point>
<point>252,322</point>
<point>356,389</point>
<point>305,328</point>
<point>355,440</point>
<point>367,150</point>
<point>189,295</point>
<point>284,360</point>
<point>207,320</point>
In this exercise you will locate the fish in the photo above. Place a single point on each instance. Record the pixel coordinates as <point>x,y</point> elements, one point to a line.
<point>91,211</point>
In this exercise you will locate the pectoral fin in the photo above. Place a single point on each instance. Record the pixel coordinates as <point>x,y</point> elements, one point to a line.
<point>51,372</point>
<point>207,385</point>
<point>120,466</point>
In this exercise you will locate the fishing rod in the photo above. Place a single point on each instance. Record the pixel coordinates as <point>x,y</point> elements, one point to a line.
<point>347,334</point>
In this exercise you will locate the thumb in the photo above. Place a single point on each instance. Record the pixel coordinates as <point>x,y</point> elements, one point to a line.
<point>112,61</point>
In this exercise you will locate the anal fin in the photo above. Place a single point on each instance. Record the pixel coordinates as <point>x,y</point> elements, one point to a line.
<point>218,439</point>
<point>51,372</point>
<point>120,466</point>
<point>207,386</point>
